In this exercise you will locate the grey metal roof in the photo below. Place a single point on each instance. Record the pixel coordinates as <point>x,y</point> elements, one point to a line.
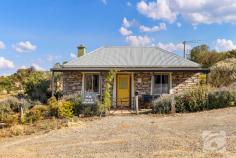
<point>130,57</point>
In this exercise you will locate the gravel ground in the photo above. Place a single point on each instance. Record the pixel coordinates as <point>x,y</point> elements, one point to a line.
<point>177,135</point>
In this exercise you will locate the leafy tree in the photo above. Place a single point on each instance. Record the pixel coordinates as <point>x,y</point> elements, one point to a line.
<point>231,53</point>
<point>198,51</point>
<point>36,86</point>
<point>202,55</point>
<point>6,84</point>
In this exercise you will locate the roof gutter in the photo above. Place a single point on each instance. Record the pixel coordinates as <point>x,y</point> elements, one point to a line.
<point>159,69</point>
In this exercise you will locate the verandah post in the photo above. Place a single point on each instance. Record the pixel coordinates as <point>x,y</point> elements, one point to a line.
<point>136,102</point>
<point>52,83</point>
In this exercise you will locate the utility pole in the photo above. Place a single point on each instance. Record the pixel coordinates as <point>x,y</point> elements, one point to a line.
<point>185,42</point>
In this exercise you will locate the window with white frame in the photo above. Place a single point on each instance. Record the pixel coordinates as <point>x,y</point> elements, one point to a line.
<point>161,84</point>
<point>91,83</point>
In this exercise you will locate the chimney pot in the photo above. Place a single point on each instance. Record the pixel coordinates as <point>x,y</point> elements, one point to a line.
<point>81,50</point>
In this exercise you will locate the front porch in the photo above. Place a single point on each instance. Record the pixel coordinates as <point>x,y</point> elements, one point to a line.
<point>127,84</point>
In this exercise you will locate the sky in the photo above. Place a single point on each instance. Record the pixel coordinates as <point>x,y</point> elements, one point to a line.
<point>40,33</point>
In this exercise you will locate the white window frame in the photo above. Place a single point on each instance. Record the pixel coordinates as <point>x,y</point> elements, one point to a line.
<point>169,83</point>
<point>91,73</point>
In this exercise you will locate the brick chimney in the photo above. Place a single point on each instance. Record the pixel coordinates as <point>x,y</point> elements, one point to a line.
<point>81,50</point>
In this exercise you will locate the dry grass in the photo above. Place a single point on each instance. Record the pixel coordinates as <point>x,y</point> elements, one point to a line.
<point>164,136</point>
<point>41,126</point>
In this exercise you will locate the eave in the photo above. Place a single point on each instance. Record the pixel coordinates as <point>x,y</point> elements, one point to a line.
<point>133,69</point>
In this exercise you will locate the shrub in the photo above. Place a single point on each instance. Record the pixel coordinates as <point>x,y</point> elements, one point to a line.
<point>162,105</point>
<point>65,109</point>
<point>107,100</point>
<point>90,110</point>
<point>9,119</point>
<point>53,105</point>
<point>223,73</point>
<point>192,100</point>
<point>75,99</point>
<point>221,99</point>
<point>10,104</point>
<point>36,113</point>
<point>16,130</point>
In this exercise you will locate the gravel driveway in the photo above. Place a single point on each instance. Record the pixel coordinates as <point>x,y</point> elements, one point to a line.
<point>128,136</point>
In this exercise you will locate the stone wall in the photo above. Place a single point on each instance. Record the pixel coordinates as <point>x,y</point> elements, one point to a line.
<point>143,87</point>
<point>182,81</point>
<point>72,82</point>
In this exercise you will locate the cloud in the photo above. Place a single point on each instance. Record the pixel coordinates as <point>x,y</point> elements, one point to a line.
<point>139,40</point>
<point>157,10</point>
<point>126,23</point>
<point>37,67</point>
<point>224,45</point>
<point>2,45</point>
<point>6,64</point>
<point>124,31</point>
<point>162,26</point>
<point>104,2</point>
<point>129,4</point>
<point>73,55</point>
<point>173,47</point>
<point>195,11</point>
<point>26,46</point>
<point>179,25</point>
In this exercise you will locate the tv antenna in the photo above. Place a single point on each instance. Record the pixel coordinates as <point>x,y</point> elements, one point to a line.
<point>191,41</point>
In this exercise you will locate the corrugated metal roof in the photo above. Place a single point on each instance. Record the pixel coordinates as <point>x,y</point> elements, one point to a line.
<point>125,56</point>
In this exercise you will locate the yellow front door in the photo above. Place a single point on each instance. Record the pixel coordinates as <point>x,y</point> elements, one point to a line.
<point>123,90</point>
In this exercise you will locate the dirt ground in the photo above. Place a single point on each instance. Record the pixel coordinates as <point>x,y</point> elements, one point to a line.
<point>177,135</point>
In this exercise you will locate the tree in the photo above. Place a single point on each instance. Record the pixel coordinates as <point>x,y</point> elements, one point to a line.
<point>202,55</point>
<point>231,53</point>
<point>36,86</point>
<point>198,51</point>
<point>6,84</point>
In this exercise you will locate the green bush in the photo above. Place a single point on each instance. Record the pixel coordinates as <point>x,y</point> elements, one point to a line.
<point>221,99</point>
<point>192,100</point>
<point>107,100</point>
<point>90,110</point>
<point>65,109</point>
<point>162,105</point>
<point>75,99</point>
<point>10,104</point>
<point>36,113</point>
<point>36,86</point>
<point>53,105</point>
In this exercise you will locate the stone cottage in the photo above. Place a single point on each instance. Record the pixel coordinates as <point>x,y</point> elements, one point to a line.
<point>148,71</point>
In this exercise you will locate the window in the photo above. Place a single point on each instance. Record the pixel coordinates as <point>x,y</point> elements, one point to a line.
<point>123,83</point>
<point>91,83</point>
<point>161,84</point>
